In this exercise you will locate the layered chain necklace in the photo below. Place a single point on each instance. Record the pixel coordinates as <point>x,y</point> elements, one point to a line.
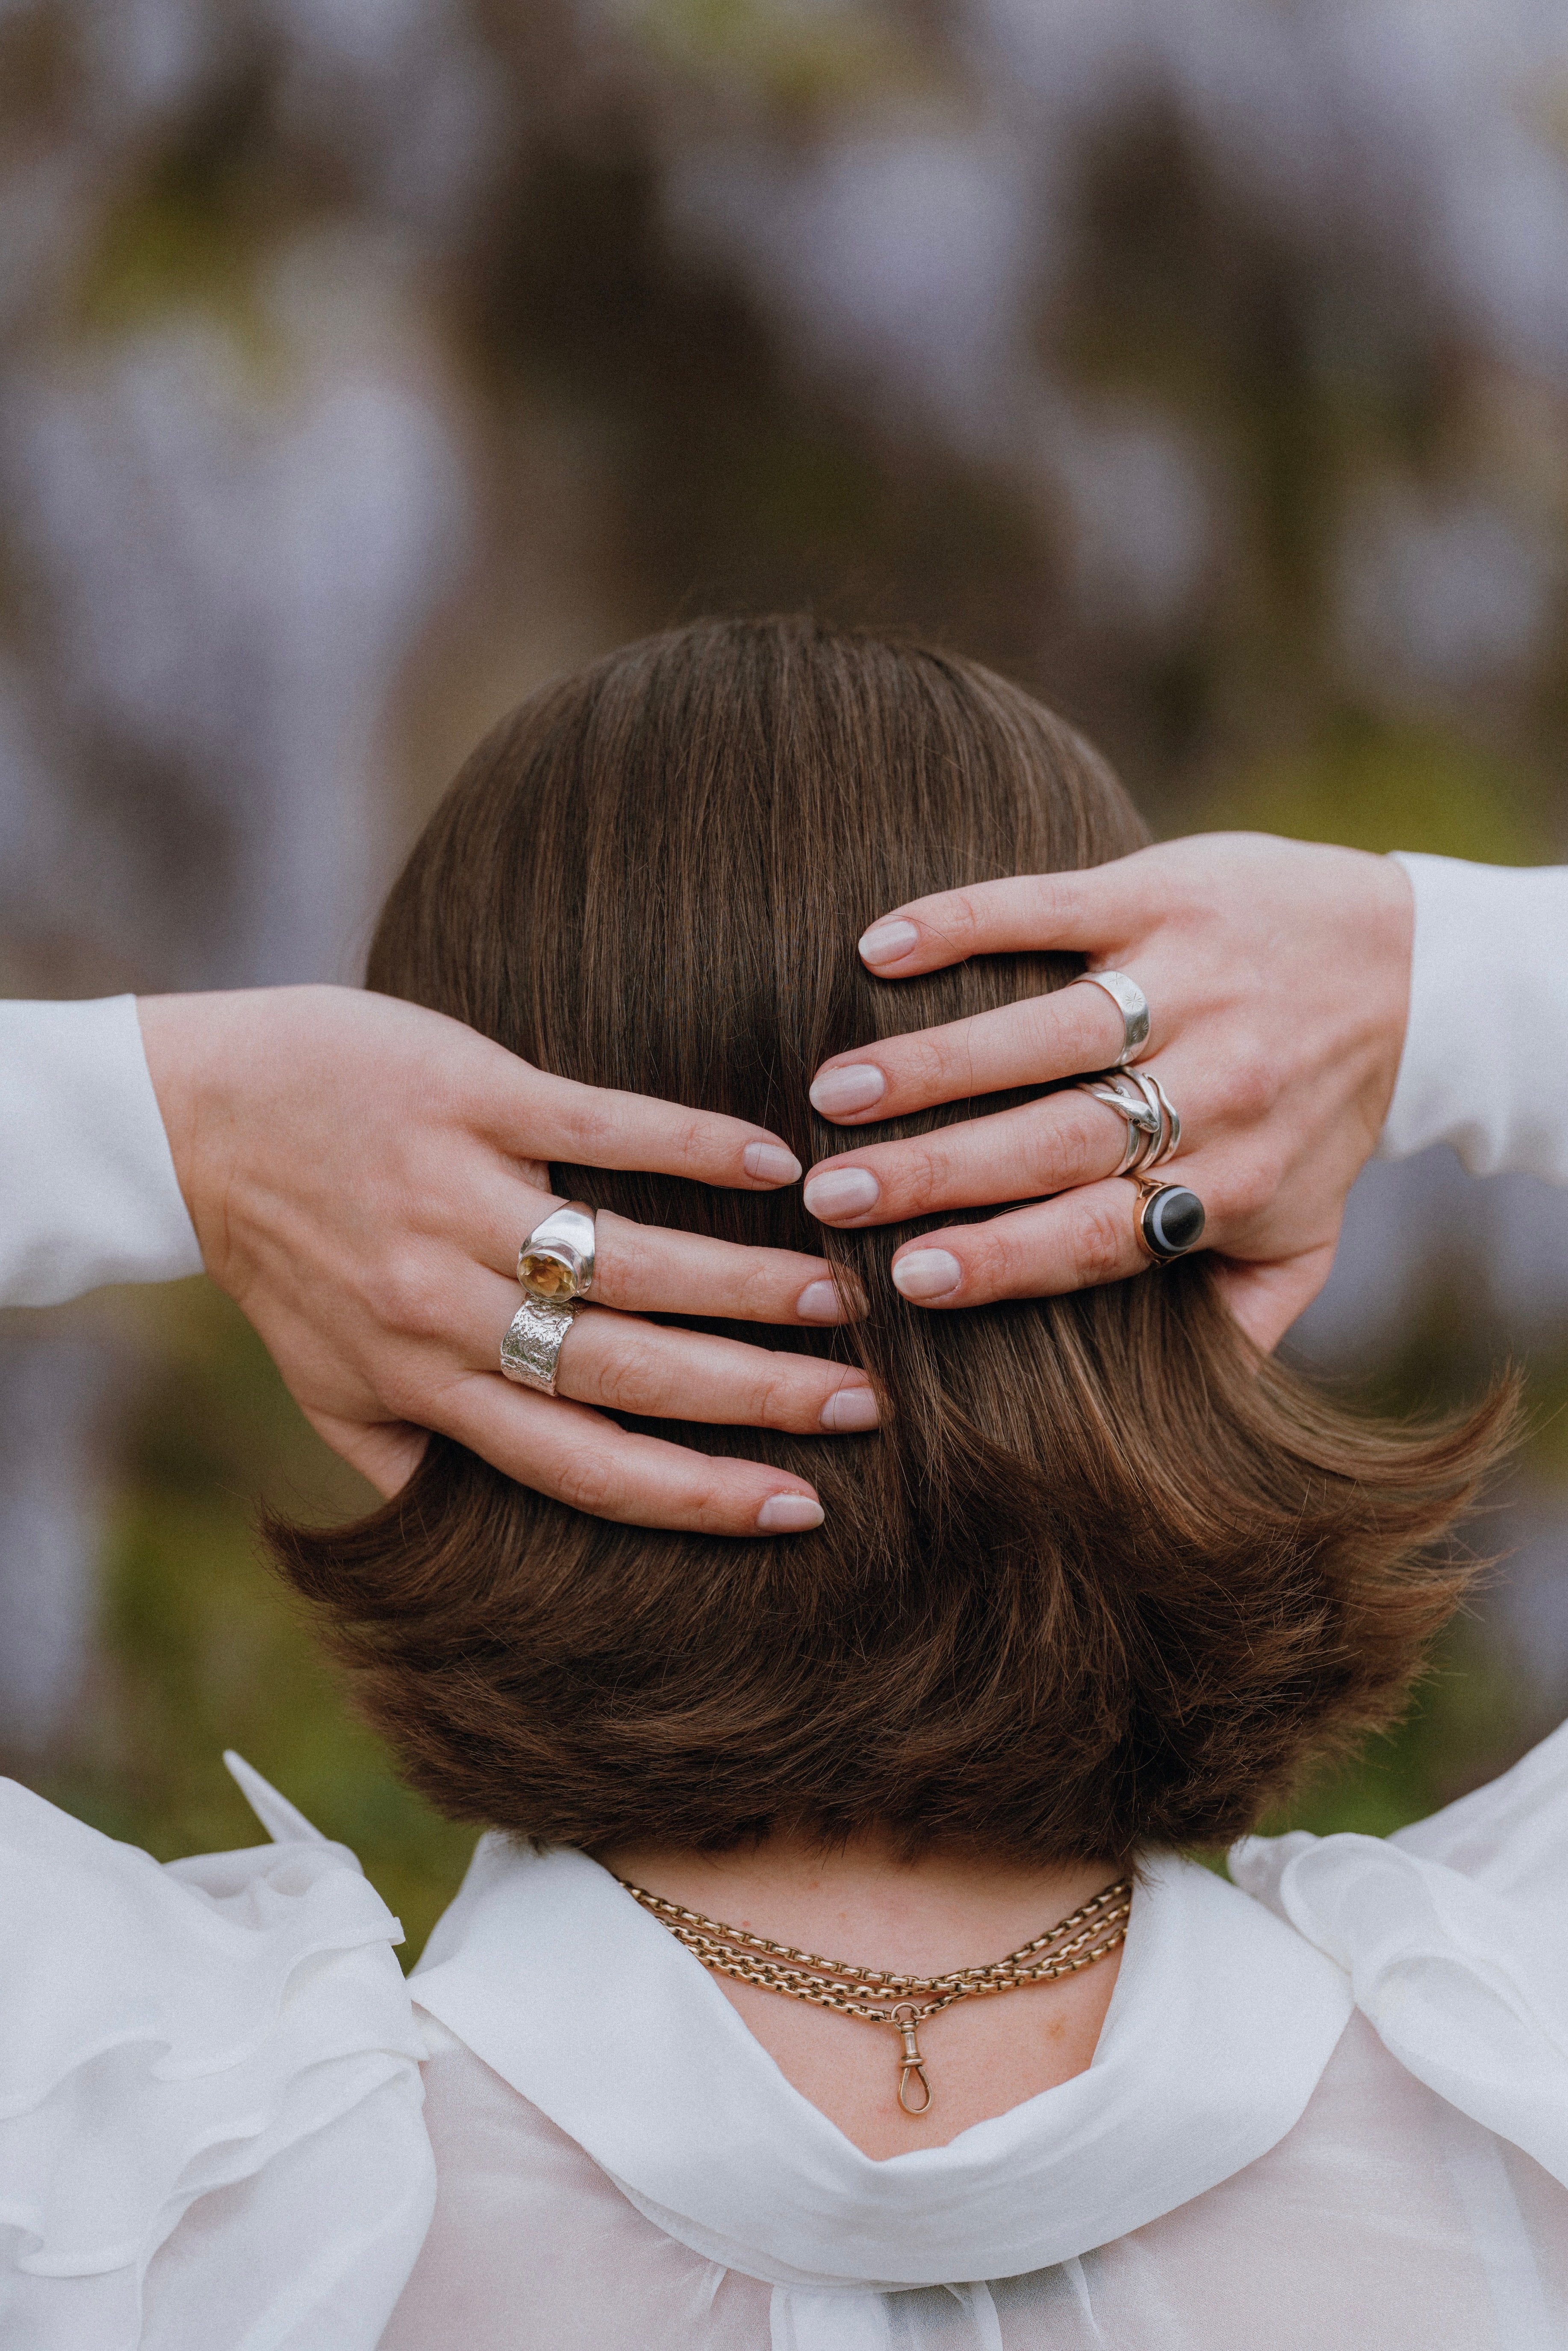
<point>882,1997</point>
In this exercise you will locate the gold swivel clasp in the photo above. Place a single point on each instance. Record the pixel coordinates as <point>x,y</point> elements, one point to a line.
<point>913,2066</point>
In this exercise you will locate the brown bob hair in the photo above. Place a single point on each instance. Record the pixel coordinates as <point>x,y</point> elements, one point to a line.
<point>1103,1581</point>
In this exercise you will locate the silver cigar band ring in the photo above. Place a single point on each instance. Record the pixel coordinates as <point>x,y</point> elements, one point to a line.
<point>1154,1122</point>
<point>1133,1007</point>
<point>555,1269</point>
<point>1168,1221</point>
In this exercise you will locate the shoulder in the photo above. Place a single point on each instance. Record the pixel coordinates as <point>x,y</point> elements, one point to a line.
<point>1452,1934</point>
<point>208,2071</point>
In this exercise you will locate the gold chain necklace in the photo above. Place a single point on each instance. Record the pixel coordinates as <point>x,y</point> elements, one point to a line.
<point>879,1995</point>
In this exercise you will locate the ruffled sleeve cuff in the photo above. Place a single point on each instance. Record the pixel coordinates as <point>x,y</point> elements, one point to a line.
<point>1486,1043</point>
<point>1454,1936</point>
<point>88,1189</point>
<point>209,2098</point>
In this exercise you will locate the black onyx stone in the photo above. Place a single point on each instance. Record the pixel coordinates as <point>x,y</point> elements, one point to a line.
<point>1174,1221</point>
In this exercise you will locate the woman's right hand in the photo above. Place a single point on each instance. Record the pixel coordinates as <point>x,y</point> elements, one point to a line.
<point>361,1172</point>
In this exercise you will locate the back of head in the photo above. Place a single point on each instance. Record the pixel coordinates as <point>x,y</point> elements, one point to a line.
<point>1103,1580</point>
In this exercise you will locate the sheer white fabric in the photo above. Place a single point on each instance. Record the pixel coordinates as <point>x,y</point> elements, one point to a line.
<point>1382,2220</point>
<point>210,2124</point>
<point>1418,2194</point>
<point>210,2135</point>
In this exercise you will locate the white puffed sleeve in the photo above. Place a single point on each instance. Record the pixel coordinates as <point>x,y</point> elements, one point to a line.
<point>1486,1053</point>
<point>211,2127</point>
<point>88,1190</point>
<point>1455,1937</point>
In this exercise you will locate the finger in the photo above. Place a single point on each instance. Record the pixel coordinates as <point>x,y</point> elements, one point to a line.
<point>657,1270</point>
<point>1014,1155</point>
<point>654,1269</point>
<point>1082,911</point>
<point>1023,1044</point>
<point>622,1364</point>
<point>595,1126</point>
<point>1077,1242</point>
<point>576,1457</point>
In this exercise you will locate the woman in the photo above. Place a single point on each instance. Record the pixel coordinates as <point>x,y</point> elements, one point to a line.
<point>1100,1585</point>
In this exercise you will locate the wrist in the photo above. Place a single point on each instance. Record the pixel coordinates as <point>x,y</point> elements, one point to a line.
<point>180,1038</point>
<point>1389,920</point>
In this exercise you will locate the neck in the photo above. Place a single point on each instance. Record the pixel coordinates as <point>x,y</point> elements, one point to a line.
<point>865,1902</point>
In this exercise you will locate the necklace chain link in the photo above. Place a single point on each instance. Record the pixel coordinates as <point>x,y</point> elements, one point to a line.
<point>881,1996</point>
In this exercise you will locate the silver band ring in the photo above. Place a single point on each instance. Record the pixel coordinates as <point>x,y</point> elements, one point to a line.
<point>530,1351</point>
<point>1154,1124</point>
<point>1133,1007</point>
<point>1168,1221</point>
<point>1167,1118</point>
<point>555,1263</point>
<point>1120,1092</point>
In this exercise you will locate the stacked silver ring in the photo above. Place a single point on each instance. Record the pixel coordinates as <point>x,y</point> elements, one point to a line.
<point>1154,1126</point>
<point>555,1269</point>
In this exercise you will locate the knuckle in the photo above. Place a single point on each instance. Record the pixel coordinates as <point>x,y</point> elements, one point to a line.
<point>921,1185</point>
<point>621,1382</point>
<point>588,1130</point>
<point>1253,1084</point>
<point>777,1403</point>
<point>585,1481</point>
<point>925,1064</point>
<point>688,1140</point>
<point>1100,1244</point>
<point>1250,1188</point>
<point>409,1300</point>
<point>960,922</point>
<point>756,1296</point>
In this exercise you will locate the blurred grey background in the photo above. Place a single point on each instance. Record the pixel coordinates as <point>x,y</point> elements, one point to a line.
<point>1204,365</point>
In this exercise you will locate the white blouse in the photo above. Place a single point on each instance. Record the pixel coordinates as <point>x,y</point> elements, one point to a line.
<point>1329,2104</point>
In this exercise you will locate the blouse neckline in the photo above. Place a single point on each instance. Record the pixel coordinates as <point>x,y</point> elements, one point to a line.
<point>1218,2029</point>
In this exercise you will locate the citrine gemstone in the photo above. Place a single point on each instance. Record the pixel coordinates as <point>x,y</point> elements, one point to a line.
<point>547,1277</point>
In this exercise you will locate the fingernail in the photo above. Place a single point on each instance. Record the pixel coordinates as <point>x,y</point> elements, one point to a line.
<point>855,1087</point>
<point>770,1163</point>
<point>851,1408</point>
<point>842,1192</point>
<point>885,942</point>
<point>820,1303</point>
<point>789,1514</point>
<point>927,1273</point>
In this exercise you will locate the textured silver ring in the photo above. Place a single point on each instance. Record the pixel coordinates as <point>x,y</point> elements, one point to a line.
<point>530,1351</point>
<point>555,1263</point>
<point>1133,1007</point>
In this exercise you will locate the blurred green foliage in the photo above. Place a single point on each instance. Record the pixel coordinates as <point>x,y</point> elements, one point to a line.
<point>1373,783</point>
<point>203,1649</point>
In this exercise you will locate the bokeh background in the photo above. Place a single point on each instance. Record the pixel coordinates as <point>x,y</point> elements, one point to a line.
<point>1202,363</point>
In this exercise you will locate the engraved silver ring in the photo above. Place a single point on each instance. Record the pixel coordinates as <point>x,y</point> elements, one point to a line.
<point>555,1269</point>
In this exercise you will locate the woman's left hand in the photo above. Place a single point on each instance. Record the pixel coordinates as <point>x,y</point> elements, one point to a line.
<point>1278,977</point>
<point>360,1173</point>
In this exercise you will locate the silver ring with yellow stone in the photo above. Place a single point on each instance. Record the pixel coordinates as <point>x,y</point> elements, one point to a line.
<point>555,1263</point>
<point>555,1268</point>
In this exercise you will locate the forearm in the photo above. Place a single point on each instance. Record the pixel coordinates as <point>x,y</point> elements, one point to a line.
<point>1485,1064</point>
<point>88,1188</point>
